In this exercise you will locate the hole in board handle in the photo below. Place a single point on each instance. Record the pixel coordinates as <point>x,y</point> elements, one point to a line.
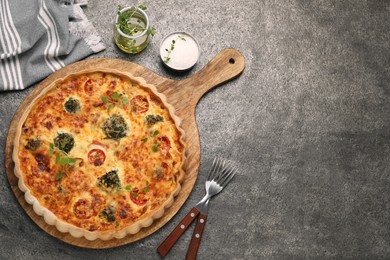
<point>232,61</point>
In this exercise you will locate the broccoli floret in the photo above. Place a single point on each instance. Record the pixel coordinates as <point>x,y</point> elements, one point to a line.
<point>33,144</point>
<point>152,119</point>
<point>64,142</point>
<point>115,127</point>
<point>109,180</point>
<point>72,105</point>
<point>108,214</point>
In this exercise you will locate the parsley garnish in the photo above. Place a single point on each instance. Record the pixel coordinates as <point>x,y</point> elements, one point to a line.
<point>63,160</point>
<point>115,96</point>
<point>115,99</point>
<point>146,188</point>
<point>155,147</point>
<point>58,176</point>
<point>125,101</point>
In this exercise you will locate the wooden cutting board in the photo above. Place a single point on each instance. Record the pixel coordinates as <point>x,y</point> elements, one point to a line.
<point>182,94</point>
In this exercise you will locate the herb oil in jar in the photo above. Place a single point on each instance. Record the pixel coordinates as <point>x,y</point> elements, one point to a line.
<point>131,30</point>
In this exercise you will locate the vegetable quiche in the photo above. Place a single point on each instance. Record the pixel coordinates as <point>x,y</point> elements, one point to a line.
<point>99,154</point>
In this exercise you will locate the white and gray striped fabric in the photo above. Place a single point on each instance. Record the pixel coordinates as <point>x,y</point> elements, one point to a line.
<point>38,37</point>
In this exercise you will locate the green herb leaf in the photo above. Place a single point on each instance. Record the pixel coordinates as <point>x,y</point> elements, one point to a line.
<point>146,189</point>
<point>64,160</point>
<point>152,31</point>
<point>128,187</point>
<point>58,157</point>
<point>58,176</point>
<point>155,148</point>
<point>155,133</point>
<point>115,96</point>
<point>104,99</point>
<point>147,183</point>
<point>125,100</point>
<point>143,6</point>
<point>134,194</point>
<point>144,139</point>
<point>72,161</point>
<point>109,107</point>
<point>51,151</point>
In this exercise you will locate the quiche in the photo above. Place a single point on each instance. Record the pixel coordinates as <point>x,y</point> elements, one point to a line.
<point>99,154</point>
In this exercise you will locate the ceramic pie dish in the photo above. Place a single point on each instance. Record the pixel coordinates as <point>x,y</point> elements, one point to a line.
<point>99,154</point>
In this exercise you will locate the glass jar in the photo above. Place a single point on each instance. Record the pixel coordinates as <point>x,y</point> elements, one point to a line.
<point>131,30</point>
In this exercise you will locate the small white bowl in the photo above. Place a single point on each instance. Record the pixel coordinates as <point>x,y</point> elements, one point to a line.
<point>179,51</point>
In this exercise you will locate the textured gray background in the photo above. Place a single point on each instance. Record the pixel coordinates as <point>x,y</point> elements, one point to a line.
<point>307,123</point>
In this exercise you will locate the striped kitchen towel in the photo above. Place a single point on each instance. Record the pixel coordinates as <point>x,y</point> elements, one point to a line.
<point>38,37</point>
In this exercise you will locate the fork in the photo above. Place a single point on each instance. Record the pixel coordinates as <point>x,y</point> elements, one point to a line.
<point>219,176</point>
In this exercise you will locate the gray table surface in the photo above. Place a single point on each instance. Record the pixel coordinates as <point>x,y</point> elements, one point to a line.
<point>307,124</point>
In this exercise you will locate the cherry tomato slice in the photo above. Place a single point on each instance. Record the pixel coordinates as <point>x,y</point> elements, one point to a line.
<point>138,197</point>
<point>165,144</point>
<point>96,157</point>
<point>139,104</point>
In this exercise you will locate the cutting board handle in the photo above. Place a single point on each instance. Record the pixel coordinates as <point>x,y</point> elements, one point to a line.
<point>226,65</point>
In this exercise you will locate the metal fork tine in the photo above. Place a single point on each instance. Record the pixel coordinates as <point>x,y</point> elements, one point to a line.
<point>220,175</point>
<point>230,177</point>
<point>225,175</point>
<point>221,164</point>
<point>211,169</point>
<point>219,167</point>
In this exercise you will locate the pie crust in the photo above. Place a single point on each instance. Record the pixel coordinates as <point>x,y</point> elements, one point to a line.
<point>76,231</point>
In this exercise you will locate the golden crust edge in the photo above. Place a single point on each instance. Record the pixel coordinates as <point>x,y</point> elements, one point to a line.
<point>64,227</point>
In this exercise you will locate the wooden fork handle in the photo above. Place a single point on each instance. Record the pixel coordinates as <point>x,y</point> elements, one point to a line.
<point>168,243</point>
<point>196,237</point>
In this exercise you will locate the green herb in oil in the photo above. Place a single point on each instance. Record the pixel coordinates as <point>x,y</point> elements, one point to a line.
<point>131,24</point>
